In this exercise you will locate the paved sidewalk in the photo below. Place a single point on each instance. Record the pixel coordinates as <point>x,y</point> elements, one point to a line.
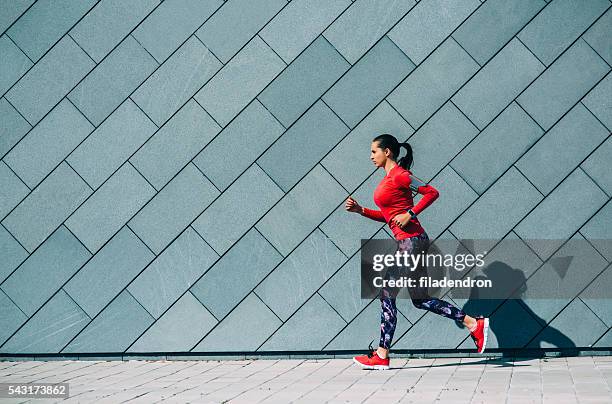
<point>445,380</point>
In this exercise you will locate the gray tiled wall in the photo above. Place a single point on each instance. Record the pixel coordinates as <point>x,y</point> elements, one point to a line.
<point>173,172</point>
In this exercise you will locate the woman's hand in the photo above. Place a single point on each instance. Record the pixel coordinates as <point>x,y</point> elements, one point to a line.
<point>402,219</point>
<point>352,206</point>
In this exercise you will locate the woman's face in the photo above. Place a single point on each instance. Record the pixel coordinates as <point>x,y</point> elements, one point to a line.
<point>377,155</point>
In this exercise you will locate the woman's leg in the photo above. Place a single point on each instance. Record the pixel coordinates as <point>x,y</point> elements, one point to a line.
<point>388,321</point>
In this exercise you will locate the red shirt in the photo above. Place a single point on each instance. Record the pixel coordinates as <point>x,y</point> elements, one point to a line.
<point>393,196</point>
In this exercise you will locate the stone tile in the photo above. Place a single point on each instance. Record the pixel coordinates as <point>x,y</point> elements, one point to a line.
<point>428,24</point>
<point>299,23</point>
<point>44,209</point>
<point>598,101</point>
<point>481,163</point>
<point>11,318</point>
<point>226,31</point>
<point>108,272</point>
<point>12,254</point>
<point>172,23</point>
<point>12,190</point>
<point>498,210</point>
<point>368,82</point>
<point>303,81</point>
<point>579,68</point>
<point>233,277</point>
<point>46,270</point>
<point>105,25</point>
<point>598,230</point>
<point>45,84</point>
<point>175,144</point>
<point>565,275</point>
<point>113,80</point>
<point>439,140</point>
<point>343,161</point>
<point>253,317</point>
<point>597,36</point>
<point>598,168</point>
<point>110,207</point>
<point>310,265</point>
<point>494,24</point>
<point>543,221</point>
<point>172,273</point>
<point>13,63</point>
<point>173,208</point>
<point>343,290</point>
<point>178,330</point>
<point>315,319</point>
<point>432,82</point>
<point>50,329</point>
<point>558,25</point>
<point>363,24</point>
<point>455,196</point>
<point>498,83</point>
<point>301,210</point>
<point>11,10</point>
<point>12,126</point>
<point>307,141</point>
<point>119,324</point>
<point>247,136</point>
<point>239,81</point>
<point>166,90</point>
<point>37,30</point>
<point>346,229</point>
<point>576,326</point>
<point>597,295</point>
<point>549,161</point>
<point>218,224</point>
<point>111,144</point>
<point>48,143</point>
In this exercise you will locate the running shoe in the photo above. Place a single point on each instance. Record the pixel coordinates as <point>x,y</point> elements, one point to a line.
<point>372,360</point>
<point>479,335</point>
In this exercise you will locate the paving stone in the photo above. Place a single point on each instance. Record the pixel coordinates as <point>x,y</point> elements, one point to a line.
<point>44,23</point>
<point>45,271</point>
<point>498,83</point>
<point>494,24</point>
<point>113,80</point>
<point>43,210</point>
<point>560,23</point>
<point>105,25</point>
<point>579,68</point>
<point>239,81</point>
<point>299,23</point>
<point>428,24</point>
<point>49,80</point>
<point>368,82</point>
<point>358,29</point>
<point>50,142</point>
<point>171,23</point>
<point>432,82</point>
<point>235,23</point>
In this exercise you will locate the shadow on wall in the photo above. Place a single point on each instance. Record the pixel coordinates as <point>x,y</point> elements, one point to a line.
<point>512,321</point>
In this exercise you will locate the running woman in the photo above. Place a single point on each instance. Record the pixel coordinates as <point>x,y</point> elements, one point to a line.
<point>393,196</point>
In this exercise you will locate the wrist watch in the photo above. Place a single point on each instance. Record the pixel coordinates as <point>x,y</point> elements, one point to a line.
<point>412,214</point>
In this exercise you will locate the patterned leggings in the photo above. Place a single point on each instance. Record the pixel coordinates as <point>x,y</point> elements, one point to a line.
<point>419,297</point>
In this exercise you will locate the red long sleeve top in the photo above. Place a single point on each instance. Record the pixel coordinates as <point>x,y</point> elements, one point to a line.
<point>393,196</point>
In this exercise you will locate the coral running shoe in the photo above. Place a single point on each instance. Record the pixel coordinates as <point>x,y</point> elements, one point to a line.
<point>372,360</point>
<point>479,335</point>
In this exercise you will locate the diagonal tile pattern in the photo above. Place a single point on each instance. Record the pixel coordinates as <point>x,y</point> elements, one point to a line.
<point>173,173</point>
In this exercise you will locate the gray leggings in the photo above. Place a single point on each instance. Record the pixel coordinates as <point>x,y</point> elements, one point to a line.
<point>419,296</point>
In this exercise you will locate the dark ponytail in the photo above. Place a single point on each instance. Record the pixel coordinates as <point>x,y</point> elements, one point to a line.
<point>389,141</point>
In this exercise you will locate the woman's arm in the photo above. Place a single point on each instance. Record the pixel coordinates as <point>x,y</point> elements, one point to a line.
<point>430,194</point>
<point>373,214</point>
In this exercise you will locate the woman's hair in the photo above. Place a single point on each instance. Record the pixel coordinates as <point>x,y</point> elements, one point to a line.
<point>389,141</point>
